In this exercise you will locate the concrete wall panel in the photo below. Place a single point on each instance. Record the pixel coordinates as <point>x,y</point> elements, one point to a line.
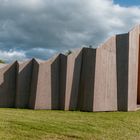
<point>8,85</point>
<point>48,83</point>
<point>41,85</point>
<point>55,82</point>
<point>127,69</point>
<point>138,88</point>
<point>86,88</point>
<point>105,88</point>
<point>133,68</point>
<point>34,82</point>
<point>24,76</point>
<point>122,52</point>
<point>62,80</point>
<point>72,79</point>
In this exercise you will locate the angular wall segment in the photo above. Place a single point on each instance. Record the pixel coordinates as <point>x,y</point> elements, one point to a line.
<point>72,79</point>
<point>8,85</point>
<point>133,68</point>
<point>122,52</point>
<point>34,82</point>
<point>87,78</point>
<point>127,69</point>
<point>48,83</point>
<point>24,76</point>
<point>138,89</point>
<point>105,88</point>
<point>62,80</point>
<point>55,76</point>
<point>41,85</point>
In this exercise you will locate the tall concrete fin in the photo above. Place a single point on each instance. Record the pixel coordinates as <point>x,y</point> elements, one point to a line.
<point>87,77</point>
<point>133,67</point>
<point>45,84</point>
<point>8,84</point>
<point>127,69</point>
<point>62,80</point>
<point>55,76</point>
<point>34,84</point>
<point>74,61</point>
<point>138,84</point>
<point>41,85</point>
<point>122,54</point>
<point>24,76</point>
<point>105,83</point>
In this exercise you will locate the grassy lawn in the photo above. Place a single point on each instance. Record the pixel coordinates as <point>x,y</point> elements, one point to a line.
<point>21,124</point>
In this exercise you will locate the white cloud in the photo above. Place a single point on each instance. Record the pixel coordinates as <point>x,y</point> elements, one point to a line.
<point>10,56</point>
<point>31,26</point>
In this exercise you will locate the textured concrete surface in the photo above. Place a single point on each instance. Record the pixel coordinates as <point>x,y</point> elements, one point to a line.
<point>41,85</point>
<point>23,87</point>
<point>55,69</point>
<point>138,89</point>
<point>72,79</point>
<point>62,80</point>
<point>122,50</point>
<point>105,88</point>
<point>8,85</point>
<point>34,82</point>
<point>133,68</point>
<point>127,69</point>
<point>87,78</point>
<point>45,84</point>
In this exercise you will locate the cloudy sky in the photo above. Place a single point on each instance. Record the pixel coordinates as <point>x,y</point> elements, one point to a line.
<point>41,28</point>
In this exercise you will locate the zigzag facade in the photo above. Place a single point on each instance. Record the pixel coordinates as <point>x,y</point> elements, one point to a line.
<point>103,79</point>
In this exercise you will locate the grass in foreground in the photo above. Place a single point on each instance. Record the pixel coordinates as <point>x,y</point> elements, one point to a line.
<point>29,124</point>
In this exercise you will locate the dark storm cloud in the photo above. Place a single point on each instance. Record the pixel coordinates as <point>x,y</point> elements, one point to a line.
<point>40,28</point>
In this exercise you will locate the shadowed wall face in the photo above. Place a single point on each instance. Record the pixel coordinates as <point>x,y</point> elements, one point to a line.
<point>122,52</point>
<point>8,85</point>
<point>34,82</point>
<point>62,80</point>
<point>72,80</point>
<point>24,77</point>
<point>55,76</point>
<point>87,77</point>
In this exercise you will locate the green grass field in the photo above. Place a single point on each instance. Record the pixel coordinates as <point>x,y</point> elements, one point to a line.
<point>21,124</point>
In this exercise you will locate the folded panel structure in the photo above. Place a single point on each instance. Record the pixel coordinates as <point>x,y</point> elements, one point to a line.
<point>41,85</point>
<point>8,85</point>
<point>72,79</point>
<point>87,78</point>
<point>62,80</point>
<point>133,68</point>
<point>122,52</point>
<point>23,87</point>
<point>106,78</point>
<point>48,88</point>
